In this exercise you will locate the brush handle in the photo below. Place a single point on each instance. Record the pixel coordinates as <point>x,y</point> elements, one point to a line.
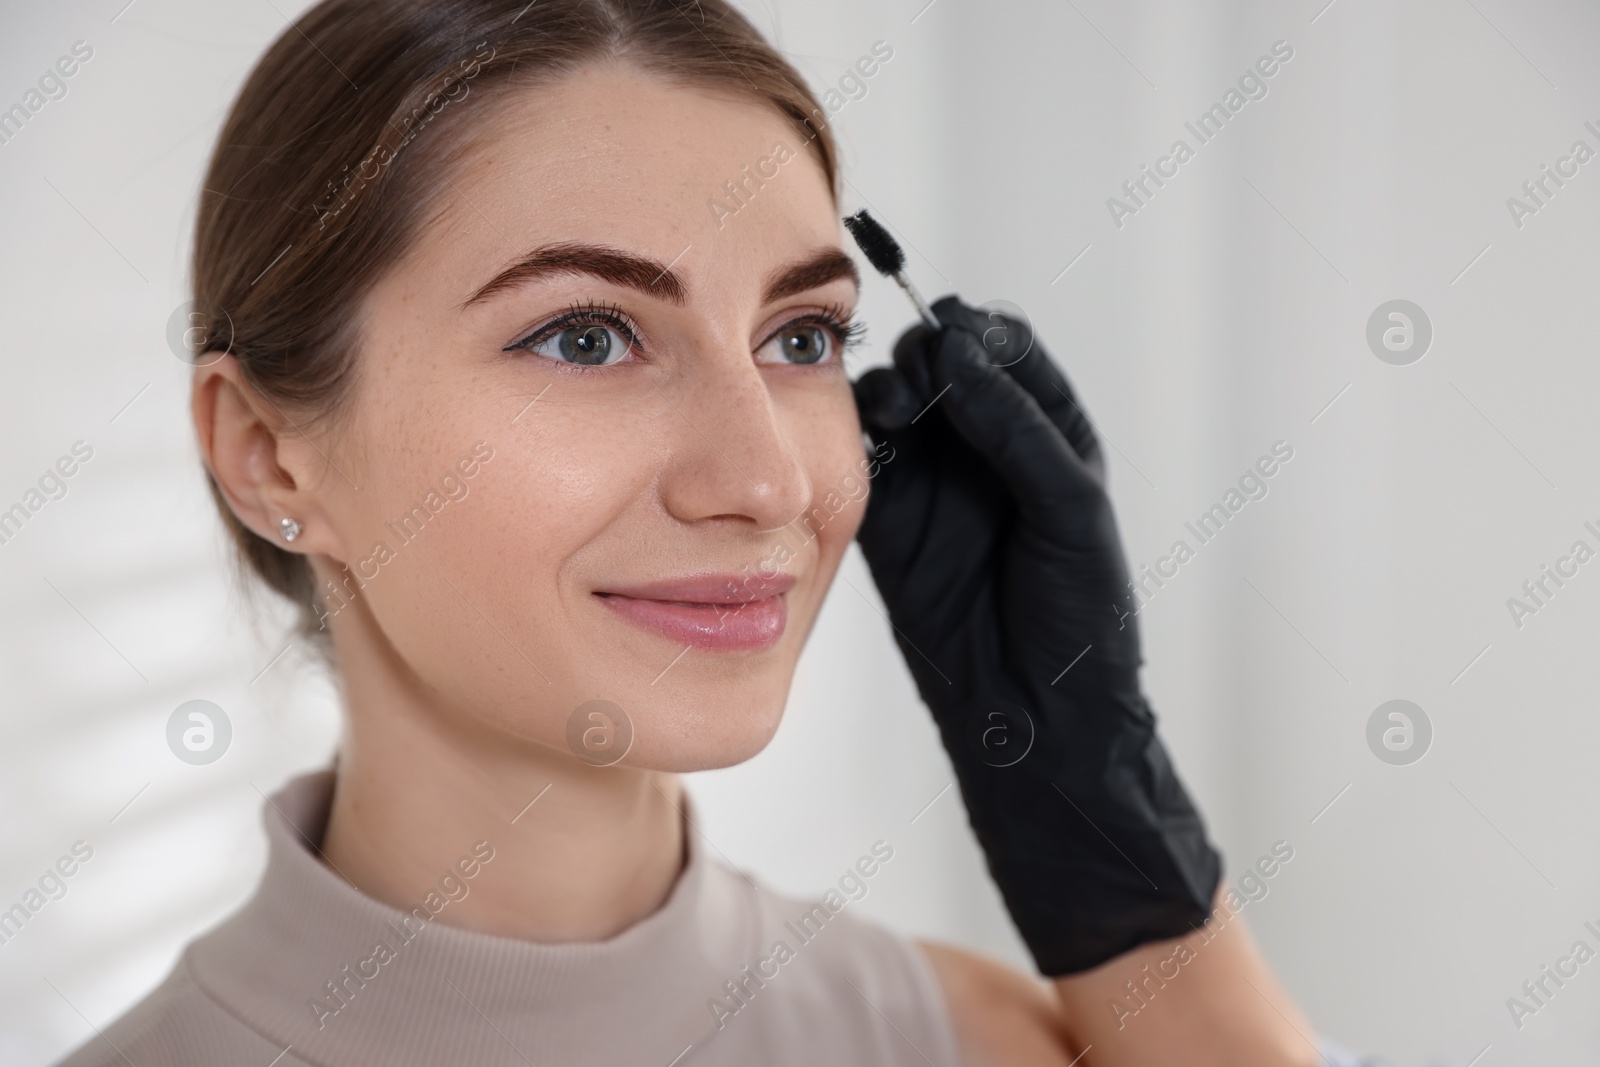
<point>917,302</point>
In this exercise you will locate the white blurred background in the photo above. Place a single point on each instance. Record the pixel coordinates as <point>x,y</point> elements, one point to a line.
<point>1230,312</point>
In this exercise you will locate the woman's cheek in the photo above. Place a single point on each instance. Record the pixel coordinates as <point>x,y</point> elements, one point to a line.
<point>561,488</point>
<point>829,432</point>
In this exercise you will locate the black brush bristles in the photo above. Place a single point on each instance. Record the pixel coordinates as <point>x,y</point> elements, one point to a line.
<point>877,244</point>
<point>887,258</point>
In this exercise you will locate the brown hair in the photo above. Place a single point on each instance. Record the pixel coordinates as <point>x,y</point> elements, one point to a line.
<point>343,135</point>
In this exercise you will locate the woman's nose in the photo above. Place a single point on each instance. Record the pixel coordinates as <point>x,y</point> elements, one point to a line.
<point>735,455</point>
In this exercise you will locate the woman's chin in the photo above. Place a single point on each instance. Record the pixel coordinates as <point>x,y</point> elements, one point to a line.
<point>706,740</point>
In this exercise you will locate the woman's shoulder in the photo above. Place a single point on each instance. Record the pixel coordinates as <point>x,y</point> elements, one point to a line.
<point>953,1006</point>
<point>999,1014</point>
<point>819,957</point>
<point>176,1025</point>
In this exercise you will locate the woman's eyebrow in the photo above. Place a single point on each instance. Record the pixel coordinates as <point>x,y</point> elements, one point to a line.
<point>817,269</point>
<point>609,264</point>
<point>652,278</point>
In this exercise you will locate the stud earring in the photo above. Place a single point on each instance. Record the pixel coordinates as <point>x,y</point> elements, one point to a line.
<point>289,528</point>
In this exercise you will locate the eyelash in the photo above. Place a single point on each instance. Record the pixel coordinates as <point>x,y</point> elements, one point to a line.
<point>590,314</point>
<point>847,331</point>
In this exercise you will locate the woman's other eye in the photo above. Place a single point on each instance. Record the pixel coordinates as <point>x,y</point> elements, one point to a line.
<point>801,343</point>
<point>587,345</point>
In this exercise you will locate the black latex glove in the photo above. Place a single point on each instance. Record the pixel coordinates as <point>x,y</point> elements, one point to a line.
<point>992,541</point>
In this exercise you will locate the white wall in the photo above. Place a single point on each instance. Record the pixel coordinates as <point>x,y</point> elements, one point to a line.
<point>1221,318</point>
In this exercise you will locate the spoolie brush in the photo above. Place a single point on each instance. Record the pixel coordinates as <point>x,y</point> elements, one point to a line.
<point>887,258</point>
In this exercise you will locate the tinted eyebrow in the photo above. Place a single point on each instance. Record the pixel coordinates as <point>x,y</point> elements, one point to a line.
<point>609,264</point>
<point>820,268</point>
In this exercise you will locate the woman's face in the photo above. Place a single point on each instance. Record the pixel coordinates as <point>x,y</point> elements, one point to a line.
<point>604,440</point>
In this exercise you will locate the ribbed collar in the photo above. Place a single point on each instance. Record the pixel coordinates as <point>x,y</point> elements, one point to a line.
<point>455,996</point>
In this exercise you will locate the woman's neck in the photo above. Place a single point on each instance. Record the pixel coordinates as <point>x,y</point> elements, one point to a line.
<point>579,853</point>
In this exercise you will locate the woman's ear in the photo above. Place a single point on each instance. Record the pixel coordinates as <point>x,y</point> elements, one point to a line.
<point>267,469</point>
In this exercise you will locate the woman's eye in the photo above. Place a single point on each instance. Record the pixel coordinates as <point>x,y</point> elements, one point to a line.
<point>587,345</point>
<point>799,344</point>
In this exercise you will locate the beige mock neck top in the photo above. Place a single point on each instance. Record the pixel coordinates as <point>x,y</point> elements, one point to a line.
<point>312,972</point>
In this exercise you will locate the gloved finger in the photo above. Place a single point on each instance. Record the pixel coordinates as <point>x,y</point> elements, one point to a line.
<point>1005,339</point>
<point>885,400</point>
<point>1032,368</point>
<point>1048,480</point>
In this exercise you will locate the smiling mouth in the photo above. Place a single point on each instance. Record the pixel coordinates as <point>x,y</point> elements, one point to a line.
<point>715,613</point>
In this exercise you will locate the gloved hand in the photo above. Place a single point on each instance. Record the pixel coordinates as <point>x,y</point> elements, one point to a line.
<point>992,541</point>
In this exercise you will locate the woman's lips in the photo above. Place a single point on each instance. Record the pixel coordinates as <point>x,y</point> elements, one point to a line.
<point>718,612</point>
